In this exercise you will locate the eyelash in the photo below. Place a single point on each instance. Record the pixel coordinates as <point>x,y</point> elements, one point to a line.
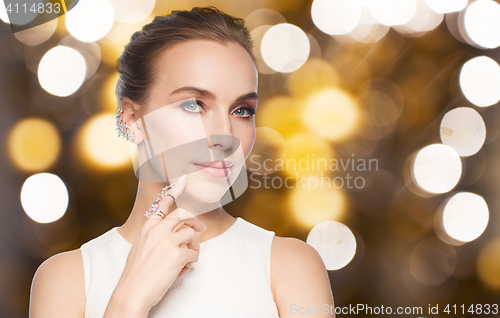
<point>200,103</point>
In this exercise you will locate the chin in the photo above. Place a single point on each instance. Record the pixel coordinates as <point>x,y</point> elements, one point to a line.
<point>206,189</point>
<point>206,197</point>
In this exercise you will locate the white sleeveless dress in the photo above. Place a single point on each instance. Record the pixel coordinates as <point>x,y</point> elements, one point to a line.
<point>230,280</point>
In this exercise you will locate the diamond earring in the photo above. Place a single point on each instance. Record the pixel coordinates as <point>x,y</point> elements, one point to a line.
<point>122,129</point>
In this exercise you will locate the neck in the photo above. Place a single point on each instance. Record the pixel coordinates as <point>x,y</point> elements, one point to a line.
<point>216,218</point>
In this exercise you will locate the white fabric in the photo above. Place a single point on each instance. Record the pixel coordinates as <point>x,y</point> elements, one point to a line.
<point>231,278</point>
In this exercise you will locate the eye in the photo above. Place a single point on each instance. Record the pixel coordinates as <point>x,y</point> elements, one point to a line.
<point>244,112</point>
<point>191,106</point>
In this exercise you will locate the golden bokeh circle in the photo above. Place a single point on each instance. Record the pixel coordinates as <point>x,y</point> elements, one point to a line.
<point>34,144</point>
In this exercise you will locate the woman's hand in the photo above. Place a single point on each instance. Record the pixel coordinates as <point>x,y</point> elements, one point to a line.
<point>160,253</point>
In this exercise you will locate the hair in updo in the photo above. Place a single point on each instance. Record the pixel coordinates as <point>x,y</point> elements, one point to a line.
<point>136,64</point>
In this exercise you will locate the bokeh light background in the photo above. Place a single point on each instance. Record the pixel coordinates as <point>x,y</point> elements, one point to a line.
<point>411,84</point>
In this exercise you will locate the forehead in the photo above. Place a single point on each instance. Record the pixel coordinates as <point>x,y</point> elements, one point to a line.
<point>227,70</point>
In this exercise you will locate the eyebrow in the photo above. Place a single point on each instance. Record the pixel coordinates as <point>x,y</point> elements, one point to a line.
<point>210,95</point>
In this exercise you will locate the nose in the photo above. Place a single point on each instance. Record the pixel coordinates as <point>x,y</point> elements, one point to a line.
<point>221,142</point>
<point>220,135</point>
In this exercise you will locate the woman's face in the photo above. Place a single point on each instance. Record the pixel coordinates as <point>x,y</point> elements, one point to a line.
<point>201,113</point>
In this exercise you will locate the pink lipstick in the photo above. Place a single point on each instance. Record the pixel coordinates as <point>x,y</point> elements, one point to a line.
<point>215,169</point>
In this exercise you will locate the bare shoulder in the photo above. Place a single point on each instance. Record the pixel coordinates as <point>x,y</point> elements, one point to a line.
<point>299,279</point>
<point>58,287</point>
<point>290,249</point>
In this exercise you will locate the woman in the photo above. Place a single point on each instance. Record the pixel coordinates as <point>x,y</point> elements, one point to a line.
<point>187,93</point>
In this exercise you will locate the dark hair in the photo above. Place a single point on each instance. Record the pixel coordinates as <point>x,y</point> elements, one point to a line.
<point>135,65</point>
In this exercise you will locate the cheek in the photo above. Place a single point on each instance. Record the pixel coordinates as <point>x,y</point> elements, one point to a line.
<point>173,128</point>
<point>246,135</point>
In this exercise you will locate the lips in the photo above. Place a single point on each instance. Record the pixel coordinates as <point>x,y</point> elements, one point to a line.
<point>215,169</point>
<point>217,164</point>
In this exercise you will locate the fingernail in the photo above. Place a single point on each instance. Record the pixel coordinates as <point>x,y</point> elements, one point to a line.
<point>179,180</point>
<point>204,226</point>
<point>182,178</point>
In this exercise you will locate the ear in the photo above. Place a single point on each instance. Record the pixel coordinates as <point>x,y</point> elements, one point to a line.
<point>132,120</point>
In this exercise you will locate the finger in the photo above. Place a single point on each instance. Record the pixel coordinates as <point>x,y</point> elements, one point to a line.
<point>178,186</point>
<point>166,202</point>
<point>184,270</point>
<point>179,217</point>
<point>188,219</point>
<point>149,223</point>
<point>171,223</point>
<point>189,256</point>
<point>189,238</point>
<point>195,246</point>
